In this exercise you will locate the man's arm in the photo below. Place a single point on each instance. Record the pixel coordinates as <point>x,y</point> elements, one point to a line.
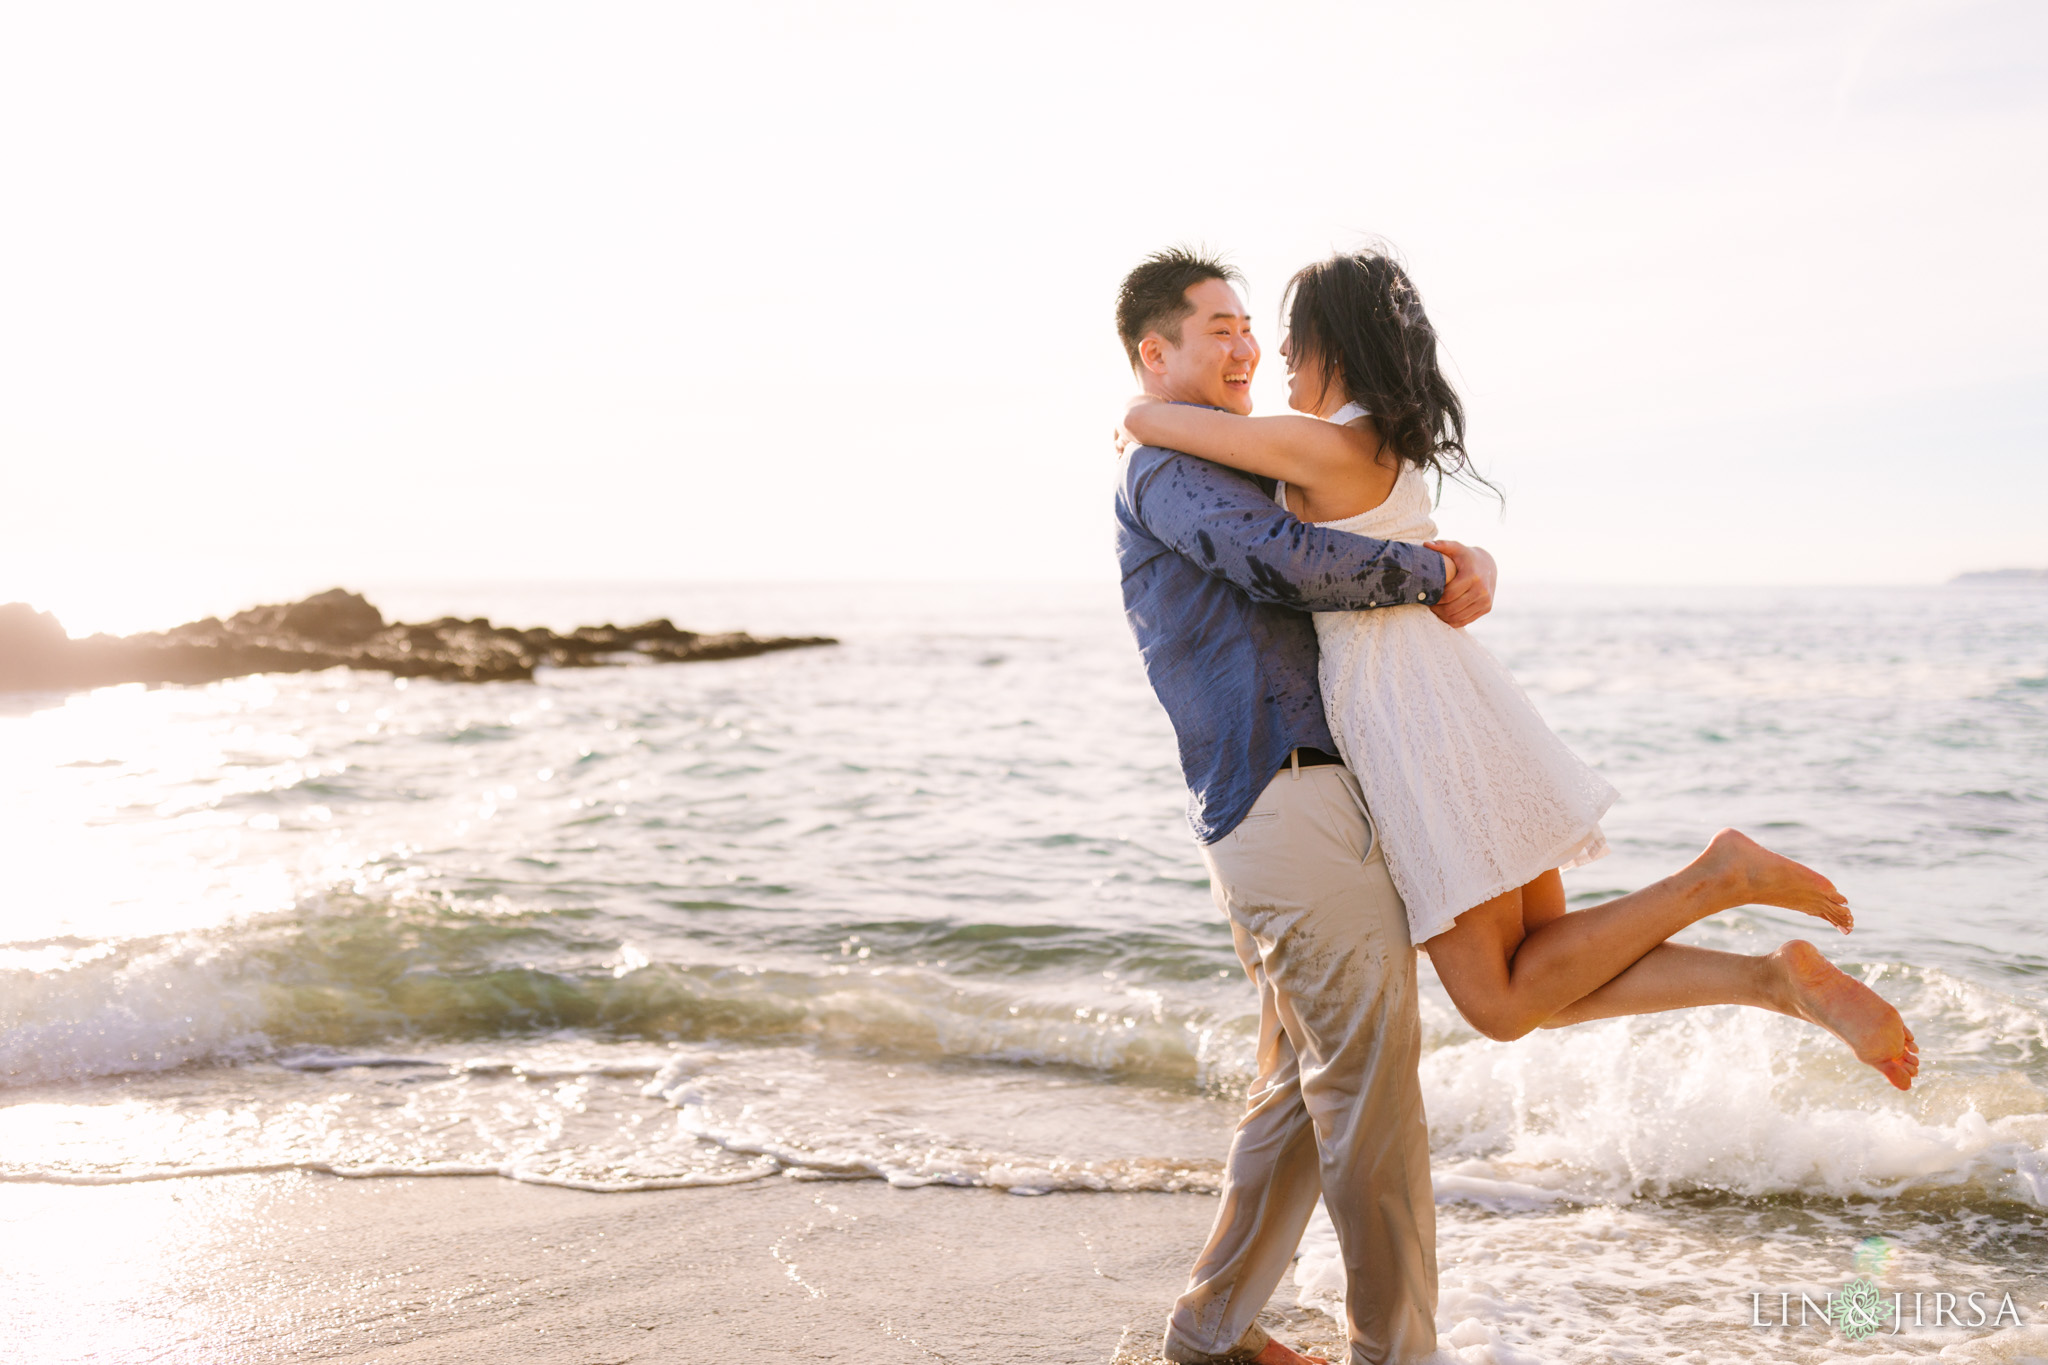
<point>1220,521</point>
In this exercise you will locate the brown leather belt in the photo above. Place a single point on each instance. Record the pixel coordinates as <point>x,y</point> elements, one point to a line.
<point>1313,758</point>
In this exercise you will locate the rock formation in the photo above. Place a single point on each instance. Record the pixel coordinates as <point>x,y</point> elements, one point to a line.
<point>338,628</point>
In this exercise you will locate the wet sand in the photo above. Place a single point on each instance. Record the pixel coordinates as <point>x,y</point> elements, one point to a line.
<point>260,1268</point>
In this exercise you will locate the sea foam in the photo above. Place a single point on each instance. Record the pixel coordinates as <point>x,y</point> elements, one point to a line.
<point>1731,1100</point>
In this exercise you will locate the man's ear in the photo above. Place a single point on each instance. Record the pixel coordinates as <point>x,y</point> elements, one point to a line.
<point>1152,353</point>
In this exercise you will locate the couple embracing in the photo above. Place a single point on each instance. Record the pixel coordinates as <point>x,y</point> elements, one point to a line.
<point>1365,780</point>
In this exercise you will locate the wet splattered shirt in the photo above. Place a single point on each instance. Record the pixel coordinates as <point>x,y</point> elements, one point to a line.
<point>1218,584</point>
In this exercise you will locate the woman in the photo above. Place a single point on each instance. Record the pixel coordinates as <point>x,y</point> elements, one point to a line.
<point>1479,805</point>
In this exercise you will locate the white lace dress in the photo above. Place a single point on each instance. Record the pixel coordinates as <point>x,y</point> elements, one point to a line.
<point>1471,792</point>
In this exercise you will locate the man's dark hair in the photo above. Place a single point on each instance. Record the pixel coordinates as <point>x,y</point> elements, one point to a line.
<point>1154,297</point>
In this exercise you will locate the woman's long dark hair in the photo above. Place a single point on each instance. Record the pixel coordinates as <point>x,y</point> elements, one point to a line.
<point>1358,319</point>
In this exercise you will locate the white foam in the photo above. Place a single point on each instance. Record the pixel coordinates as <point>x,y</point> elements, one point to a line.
<point>2012,1346</point>
<point>149,1008</point>
<point>1735,1101</point>
<point>912,1124</point>
<point>387,1170</point>
<point>1677,1282</point>
<point>1727,1099</point>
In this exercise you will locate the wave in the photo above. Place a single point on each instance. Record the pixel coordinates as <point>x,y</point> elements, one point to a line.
<point>589,1115</point>
<point>757,1060</point>
<point>1748,1103</point>
<point>360,974</point>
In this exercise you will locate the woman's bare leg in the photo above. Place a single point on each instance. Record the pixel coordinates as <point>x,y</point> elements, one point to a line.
<point>1795,980</point>
<point>1516,961</point>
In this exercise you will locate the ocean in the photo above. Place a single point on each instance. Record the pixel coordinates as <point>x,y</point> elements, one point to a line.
<point>923,907</point>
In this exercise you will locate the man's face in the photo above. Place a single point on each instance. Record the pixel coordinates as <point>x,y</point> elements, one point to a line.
<point>1214,362</point>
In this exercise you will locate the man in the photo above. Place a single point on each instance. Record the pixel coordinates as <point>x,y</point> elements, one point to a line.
<point>1218,581</point>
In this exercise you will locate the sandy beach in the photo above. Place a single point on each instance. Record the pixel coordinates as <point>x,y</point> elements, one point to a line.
<point>260,1268</point>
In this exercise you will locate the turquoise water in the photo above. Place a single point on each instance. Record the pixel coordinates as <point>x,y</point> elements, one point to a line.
<point>923,907</point>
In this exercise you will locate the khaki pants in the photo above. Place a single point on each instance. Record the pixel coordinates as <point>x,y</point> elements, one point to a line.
<point>1336,1108</point>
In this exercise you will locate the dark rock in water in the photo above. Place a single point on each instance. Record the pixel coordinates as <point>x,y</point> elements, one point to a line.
<point>25,631</point>
<point>333,617</point>
<point>338,628</point>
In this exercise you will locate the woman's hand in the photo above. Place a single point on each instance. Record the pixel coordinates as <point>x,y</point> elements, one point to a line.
<point>1470,576</point>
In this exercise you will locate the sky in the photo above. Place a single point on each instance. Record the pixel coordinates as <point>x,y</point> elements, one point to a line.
<point>297,295</point>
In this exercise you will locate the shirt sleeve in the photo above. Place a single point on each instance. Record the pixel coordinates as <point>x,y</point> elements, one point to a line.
<point>1218,519</point>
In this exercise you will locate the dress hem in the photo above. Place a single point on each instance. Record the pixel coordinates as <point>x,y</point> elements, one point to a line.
<point>1577,851</point>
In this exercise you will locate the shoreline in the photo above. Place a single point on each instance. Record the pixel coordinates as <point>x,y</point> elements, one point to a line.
<point>255,1268</point>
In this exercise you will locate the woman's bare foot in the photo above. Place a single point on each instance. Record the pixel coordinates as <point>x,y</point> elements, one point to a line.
<point>1277,1354</point>
<point>1825,994</point>
<point>1753,875</point>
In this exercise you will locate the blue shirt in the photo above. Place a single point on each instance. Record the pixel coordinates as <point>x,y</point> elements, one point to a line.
<point>1218,580</point>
